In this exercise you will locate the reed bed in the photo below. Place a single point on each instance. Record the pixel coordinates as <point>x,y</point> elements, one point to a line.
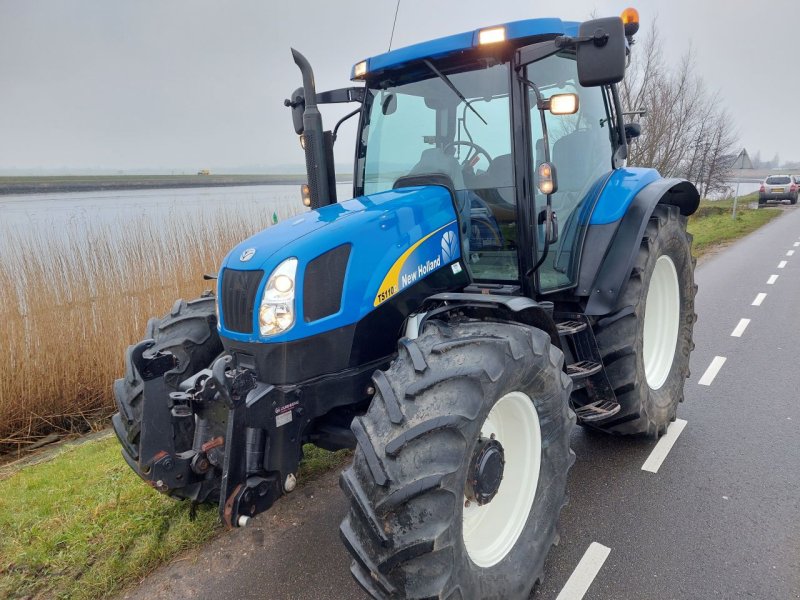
<point>72,301</point>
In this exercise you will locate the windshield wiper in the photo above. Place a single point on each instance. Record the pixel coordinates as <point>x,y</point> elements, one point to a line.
<point>450,84</point>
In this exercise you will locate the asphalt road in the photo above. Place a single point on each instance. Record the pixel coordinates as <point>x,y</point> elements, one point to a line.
<point>719,519</point>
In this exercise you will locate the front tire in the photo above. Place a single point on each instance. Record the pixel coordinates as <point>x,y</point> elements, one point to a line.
<point>646,345</point>
<point>189,332</point>
<point>451,394</point>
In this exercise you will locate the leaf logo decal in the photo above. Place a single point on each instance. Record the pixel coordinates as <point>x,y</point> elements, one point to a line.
<point>449,246</point>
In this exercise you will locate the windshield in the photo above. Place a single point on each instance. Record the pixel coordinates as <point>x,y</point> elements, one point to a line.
<point>424,127</point>
<point>778,180</point>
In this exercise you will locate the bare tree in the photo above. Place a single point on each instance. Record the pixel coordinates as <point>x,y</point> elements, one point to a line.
<point>686,132</point>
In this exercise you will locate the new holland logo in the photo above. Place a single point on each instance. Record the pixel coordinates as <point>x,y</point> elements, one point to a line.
<point>449,246</point>
<point>247,254</point>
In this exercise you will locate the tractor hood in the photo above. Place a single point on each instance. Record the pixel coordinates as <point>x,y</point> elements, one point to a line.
<point>354,257</point>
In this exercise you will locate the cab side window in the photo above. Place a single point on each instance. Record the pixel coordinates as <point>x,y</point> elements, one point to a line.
<point>580,149</point>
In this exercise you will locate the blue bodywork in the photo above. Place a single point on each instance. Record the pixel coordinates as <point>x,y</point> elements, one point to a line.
<point>459,42</point>
<point>618,193</point>
<point>382,229</point>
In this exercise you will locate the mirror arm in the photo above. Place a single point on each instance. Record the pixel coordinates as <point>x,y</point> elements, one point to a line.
<point>342,120</point>
<point>351,94</point>
<point>535,52</point>
<point>599,39</point>
<point>621,153</point>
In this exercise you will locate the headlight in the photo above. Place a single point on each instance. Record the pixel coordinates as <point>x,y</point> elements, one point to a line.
<point>276,313</point>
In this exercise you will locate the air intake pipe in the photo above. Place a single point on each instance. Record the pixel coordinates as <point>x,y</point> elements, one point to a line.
<point>318,144</point>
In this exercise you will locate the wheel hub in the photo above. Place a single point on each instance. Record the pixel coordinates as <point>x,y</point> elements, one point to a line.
<point>485,471</point>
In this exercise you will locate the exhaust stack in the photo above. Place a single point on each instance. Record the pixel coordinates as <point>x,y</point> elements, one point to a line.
<point>318,144</point>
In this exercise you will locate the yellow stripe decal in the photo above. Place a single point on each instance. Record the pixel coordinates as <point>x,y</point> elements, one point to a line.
<point>391,283</point>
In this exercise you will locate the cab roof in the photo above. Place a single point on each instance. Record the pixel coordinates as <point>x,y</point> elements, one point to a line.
<point>451,44</point>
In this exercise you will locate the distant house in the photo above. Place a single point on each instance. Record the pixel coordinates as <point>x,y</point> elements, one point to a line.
<point>204,172</point>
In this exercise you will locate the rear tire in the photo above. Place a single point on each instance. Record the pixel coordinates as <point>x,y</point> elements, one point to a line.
<point>646,372</point>
<point>793,200</point>
<point>406,528</point>
<point>189,332</point>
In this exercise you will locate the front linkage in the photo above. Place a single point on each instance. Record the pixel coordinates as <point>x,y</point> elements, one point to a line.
<point>191,442</point>
<point>225,436</point>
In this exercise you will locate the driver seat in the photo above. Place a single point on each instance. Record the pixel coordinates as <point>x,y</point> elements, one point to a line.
<point>434,160</point>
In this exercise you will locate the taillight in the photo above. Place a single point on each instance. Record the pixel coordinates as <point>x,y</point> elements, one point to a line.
<point>762,189</point>
<point>793,188</point>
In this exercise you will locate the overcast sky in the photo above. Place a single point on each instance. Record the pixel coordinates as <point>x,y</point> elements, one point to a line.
<point>190,84</point>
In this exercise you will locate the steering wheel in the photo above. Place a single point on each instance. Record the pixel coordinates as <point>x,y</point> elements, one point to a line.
<point>472,145</point>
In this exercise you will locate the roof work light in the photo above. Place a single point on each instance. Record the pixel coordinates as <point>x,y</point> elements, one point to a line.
<point>492,35</point>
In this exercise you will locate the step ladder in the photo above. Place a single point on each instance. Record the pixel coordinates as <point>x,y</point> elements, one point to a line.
<point>587,371</point>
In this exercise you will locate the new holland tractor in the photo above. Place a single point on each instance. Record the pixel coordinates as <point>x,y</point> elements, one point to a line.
<point>499,274</point>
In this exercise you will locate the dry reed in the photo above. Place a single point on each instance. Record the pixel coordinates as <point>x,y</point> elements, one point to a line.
<point>71,303</point>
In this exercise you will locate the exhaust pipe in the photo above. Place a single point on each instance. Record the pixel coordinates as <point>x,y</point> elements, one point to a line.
<point>318,144</point>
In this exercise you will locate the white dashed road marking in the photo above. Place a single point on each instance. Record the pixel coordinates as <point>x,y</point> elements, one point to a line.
<point>712,370</point>
<point>772,279</point>
<point>663,446</point>
<point>739,329</point>
<point>584,574</point>
<point>759,299</point>
<point>796,244</point>
<point>781,264</point>
<point>789,252</point>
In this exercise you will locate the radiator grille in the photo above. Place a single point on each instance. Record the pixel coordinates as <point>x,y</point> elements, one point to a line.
<point>238,299</point>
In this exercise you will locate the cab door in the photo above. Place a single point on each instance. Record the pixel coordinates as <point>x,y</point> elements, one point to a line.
<point>580,147</point>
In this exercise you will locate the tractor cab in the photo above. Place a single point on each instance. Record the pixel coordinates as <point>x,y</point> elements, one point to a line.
<point>480,120</point>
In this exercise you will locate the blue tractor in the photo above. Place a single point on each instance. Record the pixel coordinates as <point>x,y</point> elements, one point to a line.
<point>498,275</point>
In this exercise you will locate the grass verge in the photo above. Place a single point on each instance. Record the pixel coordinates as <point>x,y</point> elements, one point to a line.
<point>713,226</point>
<point>83,526</point>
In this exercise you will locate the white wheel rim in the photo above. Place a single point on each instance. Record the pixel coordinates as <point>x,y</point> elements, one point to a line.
<point>490,531</point>
<point>661,322</point>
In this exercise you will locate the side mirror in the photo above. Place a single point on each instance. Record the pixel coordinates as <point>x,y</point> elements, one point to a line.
<point>601,52</point>
<point>298,105</point>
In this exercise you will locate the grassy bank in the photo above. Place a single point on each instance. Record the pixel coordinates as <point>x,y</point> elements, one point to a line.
<point>712,225</point>
<point>83,525</point>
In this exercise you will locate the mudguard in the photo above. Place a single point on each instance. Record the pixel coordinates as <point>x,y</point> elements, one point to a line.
<point>516,309</point>
<point>618,244</point>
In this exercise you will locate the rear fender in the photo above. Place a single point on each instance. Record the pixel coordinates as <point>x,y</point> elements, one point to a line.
<point>618,243</point>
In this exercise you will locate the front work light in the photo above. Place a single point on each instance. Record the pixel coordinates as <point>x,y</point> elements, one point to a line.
<point>564,104</point>
<point>492,35</point>
<point>360,70</point>
<point>277,312</point>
